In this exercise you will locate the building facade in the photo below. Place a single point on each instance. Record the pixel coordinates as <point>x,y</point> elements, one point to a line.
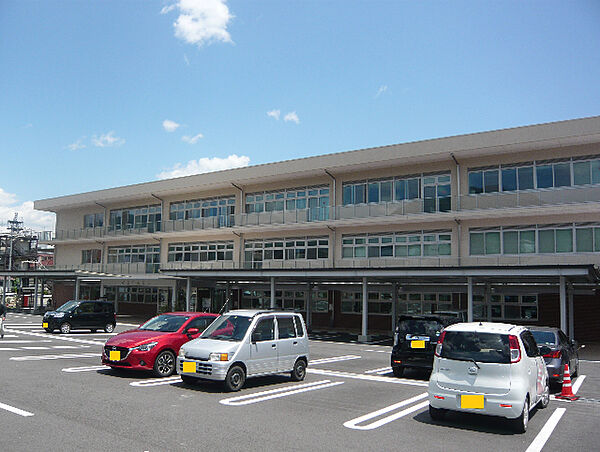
<point>501,225</point>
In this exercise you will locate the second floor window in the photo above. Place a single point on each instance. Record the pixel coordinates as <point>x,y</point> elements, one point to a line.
<point>91,256</point>
<point>404,245</point>
<point>200,252</point>
<point>136,254</point>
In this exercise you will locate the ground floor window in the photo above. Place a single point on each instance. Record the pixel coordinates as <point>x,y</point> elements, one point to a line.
<point>134,294</point>
<point>287,300</point>
<point>380,302</point>
<point>505,307</point>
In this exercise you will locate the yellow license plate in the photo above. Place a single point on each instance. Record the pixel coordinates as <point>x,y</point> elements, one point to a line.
<point>189,367</point>
<point>114,356</point>
<point>417,344</point>
<point>45,325</point>
<point>471,401</point>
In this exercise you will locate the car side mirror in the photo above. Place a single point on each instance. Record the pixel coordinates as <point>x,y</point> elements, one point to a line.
<point>255,337</point>
<point>544,350</point>
<point>192,331</point>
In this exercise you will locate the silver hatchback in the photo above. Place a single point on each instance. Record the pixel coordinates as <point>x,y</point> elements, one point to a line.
<point>246,343</point>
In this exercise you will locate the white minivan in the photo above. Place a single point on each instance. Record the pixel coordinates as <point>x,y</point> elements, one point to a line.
<point>246,343</point>
<point>488,368</point>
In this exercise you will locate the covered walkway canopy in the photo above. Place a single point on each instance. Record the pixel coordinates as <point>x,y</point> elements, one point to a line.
<point>520,279</point>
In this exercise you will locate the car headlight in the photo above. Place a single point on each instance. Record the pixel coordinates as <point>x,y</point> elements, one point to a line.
<point>181,353</point>
<point>218,357</point>
<point>145,347</point>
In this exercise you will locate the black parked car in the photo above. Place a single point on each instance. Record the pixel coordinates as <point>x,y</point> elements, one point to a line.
<point>415,339</point>
<point>88,315</point>
<point>557,350</point>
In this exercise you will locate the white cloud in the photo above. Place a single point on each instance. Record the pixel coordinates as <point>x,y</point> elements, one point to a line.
<point>205,165</point>
<point>382,89</point>
<point>107,140</point>
<point>77,145</point>
<point>170,126</point>
<point>33,219</point>
<point>190,139</point>
<point>201,22</point>
<point>274,114</point>
<point>292,116</point>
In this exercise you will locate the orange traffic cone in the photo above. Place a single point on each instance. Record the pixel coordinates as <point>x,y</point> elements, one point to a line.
<point>567,392</point>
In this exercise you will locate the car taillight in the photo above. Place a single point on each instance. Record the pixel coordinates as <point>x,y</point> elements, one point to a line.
<point>555,354</point>
<point>438,347</point>
<point>515,349</point>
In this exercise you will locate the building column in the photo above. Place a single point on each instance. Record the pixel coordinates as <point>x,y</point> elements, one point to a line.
<point>77,287</point>
<point>488,303</point>
<point>188,293</point>
<point>394,307</point>
<point>272,292</point>
<point>173,296</point>
<point>469,299</point>
<point>308,306</point>
<point>35,294</point>
<point>563,304</point>
<point>365,311</point>
<point>4,291</point>
<point>571,316</point>
<point>102,289</point>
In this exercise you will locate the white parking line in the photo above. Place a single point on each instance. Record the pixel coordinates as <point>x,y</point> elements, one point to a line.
<point>334,359</point>
<point>67,346</point>
<point>156,382</point>
<point>378,371</point>
<point>46,357</point>
<point>589,361</point>
<point>276,393</point>
<point>393,380</point>
<point>18,411</point>
<point>578,383</point>
<point>546,431</point>
<point>60,338</point>
<point>35,348</point>
<point>23,341</point>
<point>8,349</point>
<point>377,351</point>
<point>353,424</point>
<point>84,369</point>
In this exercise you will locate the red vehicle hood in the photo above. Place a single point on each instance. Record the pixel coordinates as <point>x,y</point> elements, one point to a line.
<point>133,338</point>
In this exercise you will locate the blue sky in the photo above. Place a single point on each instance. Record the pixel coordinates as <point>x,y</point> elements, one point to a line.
<point>101,94</point>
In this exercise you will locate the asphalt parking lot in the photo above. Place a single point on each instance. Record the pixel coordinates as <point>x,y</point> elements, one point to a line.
<point>55,395</point>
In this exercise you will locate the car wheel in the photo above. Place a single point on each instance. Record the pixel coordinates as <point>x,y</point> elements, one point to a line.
<point>65,328</point>
<point>189,380</point>
<point>398,372</point>
<point>520,423</point>
<point>235,379</point>
<point>545,400</point>
<point>164,364</point>
<point>437,414</point>
<point>109,328</point>
<point>299,371</point>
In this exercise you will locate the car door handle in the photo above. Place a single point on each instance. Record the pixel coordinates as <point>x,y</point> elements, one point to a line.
<point>274,345</point>
<point>295,342</point>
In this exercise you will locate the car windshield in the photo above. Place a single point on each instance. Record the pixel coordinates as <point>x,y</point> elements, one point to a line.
<point>68,306</point>
<point>228,328</point>
<point>481,347</point>
<point>544,337</point>
<point>165,323</point>
<point>420,327</point>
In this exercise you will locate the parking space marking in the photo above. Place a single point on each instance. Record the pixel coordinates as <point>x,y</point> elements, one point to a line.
<point>277,393</point>
<point>377,351</point>
<point>46,357</point>
<point>60,338</point>
<point>156,382</point>
<point>35,348</point>
<point>334,359</point>
<point>24,341</point>
<point>381,370</point>
<point>83,369</point>
<point>589,361</point>
<point>69,346</point>
<point>547,429</point>
<point>578,383</point>
<point>393,380</point>
<point>18,411</point>
<point>8,349</point>
<point>353,424</point>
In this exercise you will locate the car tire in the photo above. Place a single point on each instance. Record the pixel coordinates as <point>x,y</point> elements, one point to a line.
<point>109,328</point>
<point>545,400</point>
<point>299,371</point>
<point>164,364</point>
<point>188,380</point>
<point>520,423</point>
<point>437,414</point>
<point>65,328</point>
<point>235,379</point>
<point>398,371</point>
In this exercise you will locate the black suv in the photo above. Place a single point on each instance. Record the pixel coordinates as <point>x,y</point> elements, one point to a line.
<point>415,339</point>
<point>87,315</point>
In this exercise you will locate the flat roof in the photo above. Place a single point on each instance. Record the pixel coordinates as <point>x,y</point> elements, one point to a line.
<point>546,136</point>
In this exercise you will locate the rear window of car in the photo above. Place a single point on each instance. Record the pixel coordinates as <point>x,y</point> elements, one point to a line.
<point>419,327</point>
<point>481,347</point>
<point>544,337</point>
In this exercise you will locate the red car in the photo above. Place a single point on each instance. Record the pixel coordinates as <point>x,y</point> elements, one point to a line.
<point>155,344</point>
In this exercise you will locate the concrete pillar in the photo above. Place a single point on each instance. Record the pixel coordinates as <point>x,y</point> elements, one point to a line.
<point>469,299</point>
<point>77,287</point>
<point>5,282</point>
<point>308,306</point>
<point>188,293</point>
<point>488,303</point>
<point>272,292</point>
<point>563,304</point>
<point>394,307</point>
<point>35,294</point>
<point>173,296</point>
<point>228,302</point>
<point>571,317</point>
<point>102,289</point>
<point>365,311</point>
